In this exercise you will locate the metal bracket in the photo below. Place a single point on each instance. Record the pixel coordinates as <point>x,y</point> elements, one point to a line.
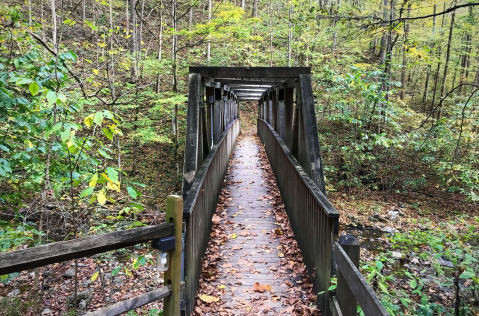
<point>164,243</point>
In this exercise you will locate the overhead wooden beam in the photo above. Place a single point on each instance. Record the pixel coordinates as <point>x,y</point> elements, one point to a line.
<point>35,257</point>
<point>240,85</point>
<point>251,72</point>
<point>240,90</point>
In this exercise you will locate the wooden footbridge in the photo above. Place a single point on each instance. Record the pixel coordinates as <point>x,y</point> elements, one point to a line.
<point>287,127</point>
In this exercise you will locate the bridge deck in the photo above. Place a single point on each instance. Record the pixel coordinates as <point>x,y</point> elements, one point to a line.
<point>253,252</point>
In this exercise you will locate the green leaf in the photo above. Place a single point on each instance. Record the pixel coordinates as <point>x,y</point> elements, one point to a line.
<point>98,118</point>
<point>108,133</point>
<point>112,174</point>
<point>62,97</point>
<point>137,206</point>
<point>405,302</point>
<point>383,287</point>
<point>467,275</point>
<point>104,154</point>
<point>86,192</point>
<point>115,271</point>
<point>132,192</point>
<point>54,129</point>
<point>51,97</point>
<point>95,276</point>
<point>379,265</point>
<point>65,135</point>
<point>4,148</point>
<point>34,88</point>
<point>413,284</point>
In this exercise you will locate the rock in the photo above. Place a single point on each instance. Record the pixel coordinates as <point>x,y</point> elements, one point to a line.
<point>445,263</point>
<point>86,283</point>
<point>372,219</point>
<point>81,296</point>
<point>393,216</point>
<point>70,273</point>
<point>15,292</point>
<point>401,205</point>
<point>376,215</point>
<point>388,230</point>
<point>396,255</point>
<point>82,304</point>
<point>46,311</point>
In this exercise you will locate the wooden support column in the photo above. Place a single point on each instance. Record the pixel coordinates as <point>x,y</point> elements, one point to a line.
<point>174,215</point>
<point>281,119</point>
<point>192,132</point>
<point>345,297</point>
<point>288,116</point>
<point>270,108</point>
<point>217,116</point>
<point>315,164</point>
<point>203,139</point>
<point>274,110</point>
<point>210,97</point>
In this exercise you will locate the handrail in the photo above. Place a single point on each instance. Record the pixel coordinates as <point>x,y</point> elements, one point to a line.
<point>39,256</point>
<point>328,208</point>
<point>201,175</point>
<point>35,257</point>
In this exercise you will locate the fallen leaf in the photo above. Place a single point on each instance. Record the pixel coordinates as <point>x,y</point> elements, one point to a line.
<point>261,287</point>
<point>209,298</point>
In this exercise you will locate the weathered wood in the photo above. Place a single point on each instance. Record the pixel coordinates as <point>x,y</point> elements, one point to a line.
<point>217,117</point>
<point>192,147</point>
<point>363,293</point>
<point>199,208</point>
<point>174,214</point>
<point>311,131</point>
<point>66,250</point>
<point>345,296</point>
<point>335,307</point>
<point>235,86</point>
<point>125,306</point>
<point>311,215</point>
<point>251,72</point>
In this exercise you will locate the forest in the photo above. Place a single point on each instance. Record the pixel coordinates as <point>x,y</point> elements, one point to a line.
<point>93,117</point>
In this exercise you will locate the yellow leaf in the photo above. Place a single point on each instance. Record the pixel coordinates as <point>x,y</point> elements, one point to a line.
<point>280,254</point>
<point>94,276</point>
<point>221,286</point>
<point>101,198</point>
<point>209,298</point>
<point>95,71</point>
<point>88,121</point>
<point>113,186</point>
<point>93,180</point>
<point>127,272</point>
<point>233,236</point>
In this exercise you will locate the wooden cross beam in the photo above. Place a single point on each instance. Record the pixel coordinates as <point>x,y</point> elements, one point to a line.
<point>251,72</point>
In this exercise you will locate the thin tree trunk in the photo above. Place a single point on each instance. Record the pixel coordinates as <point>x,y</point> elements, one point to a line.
<point>383,48</point>
<point>402,94</point>
<point>160,40</point>
<point>446,64</point>
<point>243,4</point>
<point>127,17</point>
<point>255,8</point>
<point>208,48</point>
<point>54,25</point>
<point>466,57</point>
<point>290,36</point>
<point>173,44</point>
<point>133,42</point>
<point>439,55</point>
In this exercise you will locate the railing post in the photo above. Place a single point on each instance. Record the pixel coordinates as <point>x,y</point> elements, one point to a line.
<point>346,300</point>
<point>174,214</point>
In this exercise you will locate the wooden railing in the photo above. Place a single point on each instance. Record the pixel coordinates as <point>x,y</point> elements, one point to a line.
<point>313,219</point>
<point>200,205</point>
<point>352,288</point>
<point>36,257</point>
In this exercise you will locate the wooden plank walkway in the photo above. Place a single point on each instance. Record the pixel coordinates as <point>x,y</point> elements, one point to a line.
<point>251,254</point>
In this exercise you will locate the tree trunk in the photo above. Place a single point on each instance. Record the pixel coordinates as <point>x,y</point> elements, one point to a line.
<point>439,53</point>
<point>127,17</point>
<point>446,64</point>
<point>160,40</point>
<point>54,25</point>
<point>255,8</point>
<point>173,45</point>
<point>208,48</point>
<point>382,48</point>
<point>243,4</point>
<point>290,35</point>
<point>402,94</point>
<point>466,57</point>
<point>133,42</point>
